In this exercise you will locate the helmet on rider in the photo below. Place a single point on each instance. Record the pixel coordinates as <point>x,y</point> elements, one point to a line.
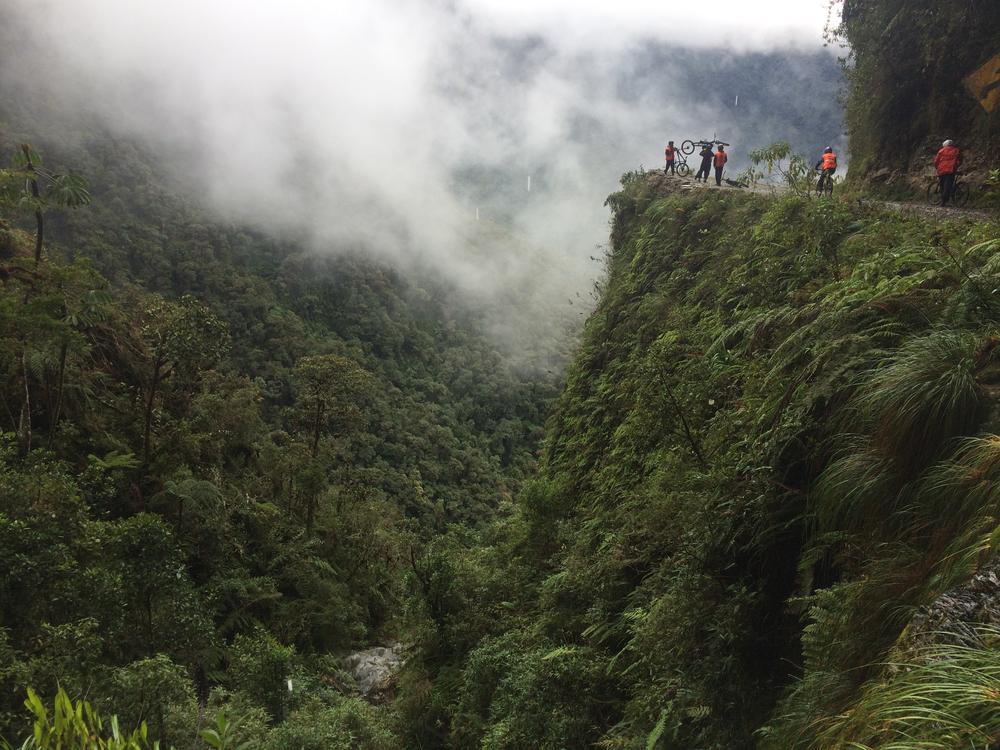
<point>948,142</point>
<point>828,150</point>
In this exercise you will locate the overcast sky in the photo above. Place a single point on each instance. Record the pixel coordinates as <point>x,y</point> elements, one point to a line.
<point>352,118</point>
<point>731,23</point>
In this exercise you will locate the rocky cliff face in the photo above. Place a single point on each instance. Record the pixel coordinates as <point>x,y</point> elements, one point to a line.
<point>921,73</point>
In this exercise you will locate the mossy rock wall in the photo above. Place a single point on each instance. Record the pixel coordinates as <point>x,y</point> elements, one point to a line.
<point>910,59</point>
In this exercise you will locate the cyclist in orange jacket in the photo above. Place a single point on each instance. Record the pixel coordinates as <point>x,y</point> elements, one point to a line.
<point>828,165</point>
<point>671,154</point>
<point>721,157</point>
<point>947,162</point>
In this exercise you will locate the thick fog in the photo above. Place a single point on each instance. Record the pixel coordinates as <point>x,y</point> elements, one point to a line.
<point>384,126</point>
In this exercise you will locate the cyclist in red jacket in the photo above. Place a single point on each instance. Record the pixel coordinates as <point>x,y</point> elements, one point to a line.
<point>947,162</point>
<point>720,159</point>
<point>671,154</point>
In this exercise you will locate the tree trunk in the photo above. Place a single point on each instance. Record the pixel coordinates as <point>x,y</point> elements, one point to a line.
<point>25,425</point>
<point>312,501</point>
<point>320,408</point>
<point>148,611</point>
<point>159,720</point>
<point>40,227</point>
<point>14,425</point>
<point>63,351</point>
<point>148,417</point>
<point>36,194</point>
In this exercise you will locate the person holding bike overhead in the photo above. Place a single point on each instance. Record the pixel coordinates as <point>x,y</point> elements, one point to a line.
<point>706,162</point>
<point>826,166</point>
<point>947,162</point>
<point>671,155</point>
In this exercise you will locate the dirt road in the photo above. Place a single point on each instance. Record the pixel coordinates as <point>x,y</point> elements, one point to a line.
<point>672,183</point>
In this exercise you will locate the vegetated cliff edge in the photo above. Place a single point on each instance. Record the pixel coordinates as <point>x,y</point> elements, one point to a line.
<point>774,451</point>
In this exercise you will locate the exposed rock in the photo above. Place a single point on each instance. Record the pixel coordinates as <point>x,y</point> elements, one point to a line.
<point>956,615</point>
<point>374,669</point>
<point>884,176</point>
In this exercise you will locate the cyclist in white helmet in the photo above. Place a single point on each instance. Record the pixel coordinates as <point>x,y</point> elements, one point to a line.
<point>947,162</point>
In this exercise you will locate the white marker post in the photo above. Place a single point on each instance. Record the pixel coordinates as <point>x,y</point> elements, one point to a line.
<point>529,183</point>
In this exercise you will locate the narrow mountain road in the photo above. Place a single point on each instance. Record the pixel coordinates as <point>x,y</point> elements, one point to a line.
<point>672,184</point>
<point>938,212</point>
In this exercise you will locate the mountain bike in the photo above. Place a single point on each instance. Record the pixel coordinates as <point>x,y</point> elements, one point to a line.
<point>681,164</point>
<point>959,194</point>
<point>827,190</point>
<point>688,146</point>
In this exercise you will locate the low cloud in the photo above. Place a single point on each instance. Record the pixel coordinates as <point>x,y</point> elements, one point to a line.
<point>383,126</point>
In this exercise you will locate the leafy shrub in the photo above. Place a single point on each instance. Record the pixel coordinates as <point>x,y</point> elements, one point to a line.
<point>75,724</point>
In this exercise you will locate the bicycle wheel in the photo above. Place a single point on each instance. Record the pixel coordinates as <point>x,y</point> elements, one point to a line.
<point>934,194</point>
<point>683,169</point>
<point>687,147</point>
<point>828,187</point>
<point>961,195</point>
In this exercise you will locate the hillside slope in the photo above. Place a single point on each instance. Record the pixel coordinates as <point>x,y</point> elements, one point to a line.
<point>773,457</point>
<point>219,451</point>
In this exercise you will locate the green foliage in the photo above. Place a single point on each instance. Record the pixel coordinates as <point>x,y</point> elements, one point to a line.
<point>224,461</point>
<point>330,388</point>
<point>924,395</point>
<point>219,453</point>
<point>792,169</point>
<point>31,188</point>
<point>348,723</point>
<point>75,724</point>
<point>260,667</point>
<point>223,735</point>
<point>61,189</point>
<point>145,691</point>
<point>773,449</point>
<point>947,697</point>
